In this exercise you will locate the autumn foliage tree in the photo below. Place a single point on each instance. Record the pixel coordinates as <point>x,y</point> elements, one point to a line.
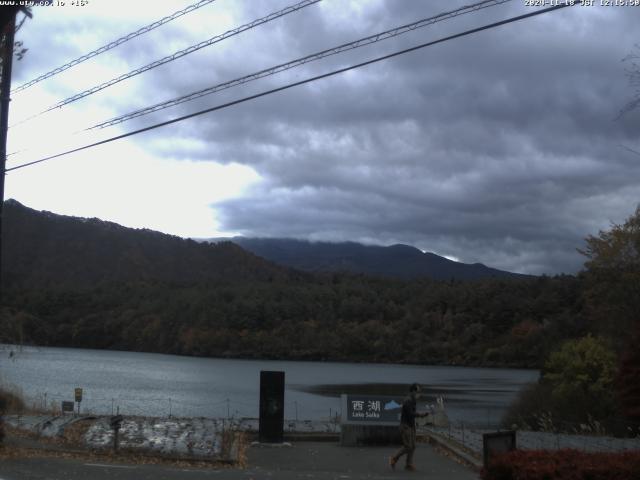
<point>612,297</point>
<point>612,290</point>
<point>587,378</point>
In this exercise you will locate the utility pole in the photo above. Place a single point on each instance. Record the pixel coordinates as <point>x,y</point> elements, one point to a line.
<point>5,97</point>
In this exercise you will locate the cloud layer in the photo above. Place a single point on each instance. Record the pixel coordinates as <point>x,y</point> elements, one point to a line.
<point>502,147</point>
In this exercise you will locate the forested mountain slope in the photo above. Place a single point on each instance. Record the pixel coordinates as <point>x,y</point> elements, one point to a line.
<point>45,248</point>
<point>89,283</point>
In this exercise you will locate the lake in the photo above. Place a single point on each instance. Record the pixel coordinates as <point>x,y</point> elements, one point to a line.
<point>160,385</point>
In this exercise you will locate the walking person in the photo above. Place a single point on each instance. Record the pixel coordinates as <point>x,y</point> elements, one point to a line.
<point>408,428</point>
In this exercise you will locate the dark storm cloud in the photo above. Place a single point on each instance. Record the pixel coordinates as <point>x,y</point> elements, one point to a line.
<point>501,148</point>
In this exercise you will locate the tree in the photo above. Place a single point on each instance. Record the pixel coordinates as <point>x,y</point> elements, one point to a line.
<point>585,366</point>
<point>633,74</point>
<point>581,375</point>
<point>615,249</point>
<point>575,389</point>
<point>612,290</point>
<point>627,383</point>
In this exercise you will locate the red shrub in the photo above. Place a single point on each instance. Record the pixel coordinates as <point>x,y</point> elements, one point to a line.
<point>563,464</point>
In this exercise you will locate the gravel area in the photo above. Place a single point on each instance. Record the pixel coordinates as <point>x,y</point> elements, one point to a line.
<point>194,436</point>
<point>199,437</point>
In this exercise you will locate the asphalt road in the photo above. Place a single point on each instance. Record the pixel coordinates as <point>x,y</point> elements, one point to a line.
<point>303,460</point>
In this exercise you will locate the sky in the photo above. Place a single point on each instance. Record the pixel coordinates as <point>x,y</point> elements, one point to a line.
<point>504,147</point>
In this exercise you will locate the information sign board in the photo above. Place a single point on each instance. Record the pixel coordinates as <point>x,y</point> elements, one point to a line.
<point>271,422</point>
<point>372,409</point>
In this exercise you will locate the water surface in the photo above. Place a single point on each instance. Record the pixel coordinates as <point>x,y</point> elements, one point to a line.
<point>159,385</point>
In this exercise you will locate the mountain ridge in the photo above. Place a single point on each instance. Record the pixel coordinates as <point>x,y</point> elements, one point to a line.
<point>394,261</point>
<point>47,248</point>
<point>44,247</point>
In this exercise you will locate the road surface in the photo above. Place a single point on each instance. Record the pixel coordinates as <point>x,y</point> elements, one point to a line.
<point>302,460</point>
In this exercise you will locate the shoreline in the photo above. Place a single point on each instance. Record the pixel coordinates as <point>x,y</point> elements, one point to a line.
<point>495,366</point>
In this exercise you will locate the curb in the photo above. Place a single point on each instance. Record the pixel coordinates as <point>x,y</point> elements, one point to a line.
<point>312,437</point>
<point>302,437</point>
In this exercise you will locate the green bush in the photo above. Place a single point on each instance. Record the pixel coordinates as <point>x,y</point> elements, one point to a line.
<point>581,367</point>
<point>575,390</point>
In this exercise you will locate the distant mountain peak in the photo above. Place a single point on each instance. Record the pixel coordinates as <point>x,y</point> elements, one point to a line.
<point>396,261</point>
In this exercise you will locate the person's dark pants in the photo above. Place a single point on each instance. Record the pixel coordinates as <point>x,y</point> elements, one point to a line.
<point>408,435</point>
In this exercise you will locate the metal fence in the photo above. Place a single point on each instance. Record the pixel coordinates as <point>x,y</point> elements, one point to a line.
<point>167,407</point>
<point>584,437</point>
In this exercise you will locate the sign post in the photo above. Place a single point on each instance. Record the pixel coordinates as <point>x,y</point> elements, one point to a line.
<point>116,423</point>
<point>78,394</point>
<point>498,442</point>
<point>271,423</point>
<point>67,407</point>
<point>370,419</point>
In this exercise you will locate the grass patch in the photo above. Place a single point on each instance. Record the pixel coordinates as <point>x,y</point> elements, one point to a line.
<point>11,401</point>
<point>234,447</point>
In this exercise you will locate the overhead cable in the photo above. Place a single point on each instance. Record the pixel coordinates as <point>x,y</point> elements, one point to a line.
<point>300,61</point>
<point>182,53</point>
<point>295,84</point>
<point>113,44</point>
<point>629,149</point>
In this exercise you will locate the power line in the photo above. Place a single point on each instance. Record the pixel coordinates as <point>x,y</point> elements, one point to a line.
<point>286,66</point>
<point>301,61</point>
<point>179,54</point>
<point>629,149</point>
<point>113,44</point>
<point>301,82</point>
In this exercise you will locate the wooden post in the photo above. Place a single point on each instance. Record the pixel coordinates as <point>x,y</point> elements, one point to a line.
<point>116,423</point>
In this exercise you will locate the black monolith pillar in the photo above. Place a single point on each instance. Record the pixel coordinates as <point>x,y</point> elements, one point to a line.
<point>271,407</point>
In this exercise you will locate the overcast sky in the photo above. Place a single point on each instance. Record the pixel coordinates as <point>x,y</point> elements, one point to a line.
<point>502,147</point>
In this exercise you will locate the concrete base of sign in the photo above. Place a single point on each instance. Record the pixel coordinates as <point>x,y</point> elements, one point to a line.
<point>355,435</point>
<point>271,445</point>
